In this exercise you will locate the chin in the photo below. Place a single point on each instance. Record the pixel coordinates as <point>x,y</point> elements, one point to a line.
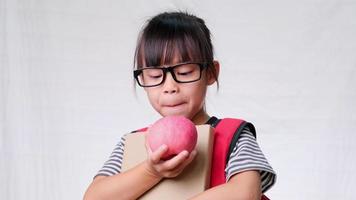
<point>164,114</point>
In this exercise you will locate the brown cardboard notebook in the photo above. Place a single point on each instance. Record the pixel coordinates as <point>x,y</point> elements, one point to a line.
<point>193,180</point>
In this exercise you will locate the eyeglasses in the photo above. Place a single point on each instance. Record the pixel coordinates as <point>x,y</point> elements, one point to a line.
<point>186,72</point>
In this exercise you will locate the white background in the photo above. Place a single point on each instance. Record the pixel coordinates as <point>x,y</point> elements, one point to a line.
<point>66,92</point>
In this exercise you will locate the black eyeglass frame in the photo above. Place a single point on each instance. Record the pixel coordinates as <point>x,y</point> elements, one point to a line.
<point>165,69</point>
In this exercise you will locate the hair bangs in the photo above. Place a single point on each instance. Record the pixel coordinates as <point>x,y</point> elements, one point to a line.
<point>165,43</point>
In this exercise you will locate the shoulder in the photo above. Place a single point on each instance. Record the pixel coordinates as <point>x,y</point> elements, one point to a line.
<point>247,155</point>
<point>229,121</point>
<point>234,125</point>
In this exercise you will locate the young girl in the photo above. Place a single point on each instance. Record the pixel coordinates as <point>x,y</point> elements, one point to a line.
<point>175,65</point>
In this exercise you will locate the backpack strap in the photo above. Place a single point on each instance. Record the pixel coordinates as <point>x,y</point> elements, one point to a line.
<point>227,133</point>
<point>224,133</point>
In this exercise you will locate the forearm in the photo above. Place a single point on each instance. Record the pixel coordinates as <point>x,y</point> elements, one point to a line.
<point>226,192</point>
<point>128,185</point>
<point>243,186</point>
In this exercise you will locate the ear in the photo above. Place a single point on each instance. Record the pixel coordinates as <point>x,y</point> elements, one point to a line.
<point>211,77</point>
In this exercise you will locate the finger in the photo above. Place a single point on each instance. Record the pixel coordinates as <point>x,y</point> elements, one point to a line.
<point>191,157</point>
<point>156,155</point>
<point>183,165</point>
<point>176,160</point>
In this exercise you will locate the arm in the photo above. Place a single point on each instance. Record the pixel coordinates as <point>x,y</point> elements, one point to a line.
<point>136,181</point>
<point>245,186</point>
<point>127,185</point>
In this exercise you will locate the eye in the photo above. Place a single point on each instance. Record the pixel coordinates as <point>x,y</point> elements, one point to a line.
<point>153,73</point>
<point>186,70</point>
<point>185,73</point>
<point>155,76</point>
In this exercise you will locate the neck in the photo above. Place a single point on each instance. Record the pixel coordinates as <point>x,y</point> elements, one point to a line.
<point>201,117</point>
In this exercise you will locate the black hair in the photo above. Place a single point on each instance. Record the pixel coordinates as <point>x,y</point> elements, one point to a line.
<point>174,33</point>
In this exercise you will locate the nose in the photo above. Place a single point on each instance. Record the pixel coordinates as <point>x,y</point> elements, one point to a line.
<point>170,86</point>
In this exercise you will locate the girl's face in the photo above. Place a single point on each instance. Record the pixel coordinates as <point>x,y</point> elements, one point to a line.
<point>186,99</point>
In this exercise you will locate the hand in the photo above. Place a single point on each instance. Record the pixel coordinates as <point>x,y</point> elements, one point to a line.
<point>167,168</point>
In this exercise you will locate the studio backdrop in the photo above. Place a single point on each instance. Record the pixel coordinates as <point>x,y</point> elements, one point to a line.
<point>67,94</point>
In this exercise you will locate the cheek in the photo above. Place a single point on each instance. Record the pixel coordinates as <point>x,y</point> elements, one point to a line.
<point>153,97</point>
<point>198,94</point>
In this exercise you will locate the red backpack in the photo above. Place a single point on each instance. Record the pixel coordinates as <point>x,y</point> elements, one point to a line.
<point>224,143</point>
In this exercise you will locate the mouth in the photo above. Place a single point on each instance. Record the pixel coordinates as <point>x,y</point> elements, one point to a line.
<point>174,105</point>
<point>175,109</point>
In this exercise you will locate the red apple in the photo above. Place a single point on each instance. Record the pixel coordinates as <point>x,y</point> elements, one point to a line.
<point>177,132</point>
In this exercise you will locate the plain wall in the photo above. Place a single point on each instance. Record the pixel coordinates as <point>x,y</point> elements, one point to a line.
<point>66,89</point>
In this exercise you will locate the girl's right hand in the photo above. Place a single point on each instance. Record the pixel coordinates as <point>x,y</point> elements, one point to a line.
<point>167,168</point>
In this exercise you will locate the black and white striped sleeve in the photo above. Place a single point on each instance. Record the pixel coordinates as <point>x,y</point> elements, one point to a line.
<point>247,155</point>
<point>113,165</point>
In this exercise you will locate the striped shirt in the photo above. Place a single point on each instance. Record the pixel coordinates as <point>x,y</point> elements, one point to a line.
<point>245,156</point>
